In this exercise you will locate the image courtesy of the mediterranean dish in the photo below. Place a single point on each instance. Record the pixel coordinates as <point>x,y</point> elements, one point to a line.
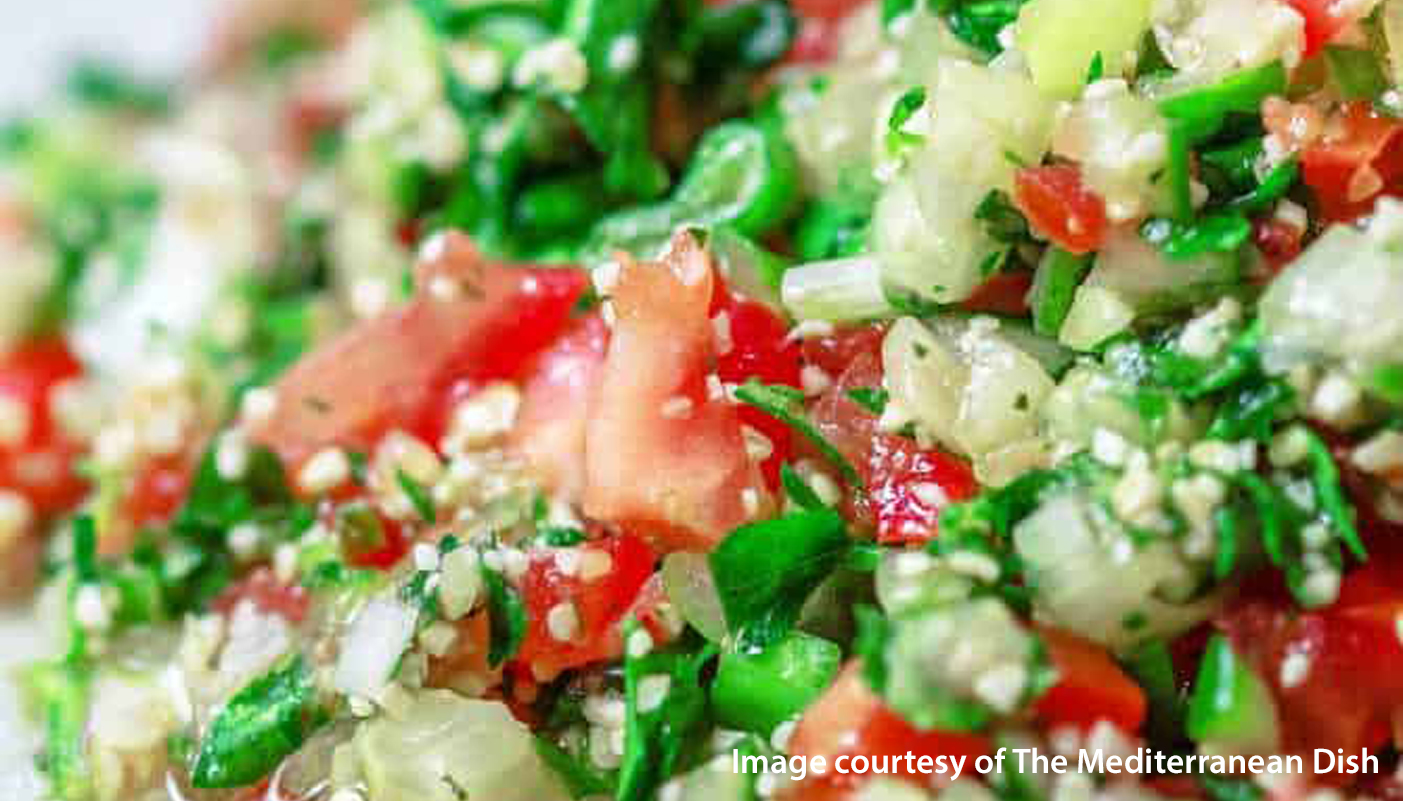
<point>532,400</point>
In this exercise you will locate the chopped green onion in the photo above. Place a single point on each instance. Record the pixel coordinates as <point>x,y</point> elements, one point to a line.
<point>844,290</point>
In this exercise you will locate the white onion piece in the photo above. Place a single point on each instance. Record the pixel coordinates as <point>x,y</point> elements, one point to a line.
<point>689,585</point>
<point>373,645</point>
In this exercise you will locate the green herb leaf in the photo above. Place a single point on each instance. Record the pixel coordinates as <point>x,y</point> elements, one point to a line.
<point>1097,70</point>
<point>418,496</point>
<point>61,694</point>
<point>1213,233</point>
<point>580,778</point>
<point>1199,113</point>
<point>893,10</point>
<point>786,404</point>
<point>906,106</point>
<point>759,691</point>
<point>979,22</point>
<point>1003,222</point>
<point>873,399</point>
<point>507,616</point>
<point>873,632</point>
<point>1055,284</point>
<point>798,489</point>
<point>764,572</point>
<point>656,735</point>
<point>261,725</point>
<point>1326,479</point>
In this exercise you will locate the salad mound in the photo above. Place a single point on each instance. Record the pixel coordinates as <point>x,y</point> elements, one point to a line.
<point>548,399</point>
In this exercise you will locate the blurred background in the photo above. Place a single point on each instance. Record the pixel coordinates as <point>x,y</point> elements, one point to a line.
<point>42,40</point>
<point>156,37</point>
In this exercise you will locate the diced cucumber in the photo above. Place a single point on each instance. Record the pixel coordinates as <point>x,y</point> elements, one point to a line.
<point>1061,38</point>
<point>927,238</point>
<point>1096,315</point>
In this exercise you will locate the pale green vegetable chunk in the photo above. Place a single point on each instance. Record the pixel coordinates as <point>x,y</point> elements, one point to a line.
<point>1339,301</point>
<point>1093,580</point>
<point>1061,39</point>
<point>440,746</point>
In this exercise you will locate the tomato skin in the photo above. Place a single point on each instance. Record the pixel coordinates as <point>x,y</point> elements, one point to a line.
<point>1090,686</point>
<point>268,594</point>
<point>1060,206</point>
<point>760,349</point>
<point>599,603</point>
<point>891,466</point>
<point>850,720</point>
<point>1345,699</point>
<point>40,468</point>
<point>1358,159</point>
<point>395,370</point>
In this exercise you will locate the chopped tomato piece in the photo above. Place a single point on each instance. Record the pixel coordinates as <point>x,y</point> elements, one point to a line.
<point>1344,700</point>
<point>37,459</point>
<point>849,720</point>
<point>1061,207</point>
<point>665,456</point>
<point>1090,686</point>
<point>835,353</point>
<point>572,611</point>
<point>1003,293</point>
<point>906,486</point>
<point>384,553</point>
<point>1279,241</point>
<point>387,372</point>
<point>557,390</point>
<point>1357,159</point>
<point>159,490</point>
<point>816,41</point>
<point>758,348</point>
<point>268,595</point>
<point>1327,19</point>
<point>826,9</point>
<point>466,662</point>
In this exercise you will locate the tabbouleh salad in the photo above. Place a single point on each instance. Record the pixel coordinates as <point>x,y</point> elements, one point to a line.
<point>547,399</point>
